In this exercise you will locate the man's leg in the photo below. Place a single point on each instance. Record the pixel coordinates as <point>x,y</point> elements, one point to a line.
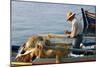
<point>76,43</point>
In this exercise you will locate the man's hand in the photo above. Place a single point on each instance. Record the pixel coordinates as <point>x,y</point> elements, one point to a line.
<point>66,32</point>
<point>68,35</point>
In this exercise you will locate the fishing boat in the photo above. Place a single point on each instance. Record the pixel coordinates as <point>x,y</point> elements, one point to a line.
<point>89,20</point>
<point>85,54</point>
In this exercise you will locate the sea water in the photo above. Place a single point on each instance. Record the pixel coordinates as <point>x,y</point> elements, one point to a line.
<point>32,18</point>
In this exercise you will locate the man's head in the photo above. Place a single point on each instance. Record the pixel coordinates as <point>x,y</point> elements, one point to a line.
<point>70,16</point>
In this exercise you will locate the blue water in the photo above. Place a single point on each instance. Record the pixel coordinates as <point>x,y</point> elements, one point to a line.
<point>30,18</point>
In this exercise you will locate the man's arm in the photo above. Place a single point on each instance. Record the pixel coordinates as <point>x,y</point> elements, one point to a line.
<point>74,31</point>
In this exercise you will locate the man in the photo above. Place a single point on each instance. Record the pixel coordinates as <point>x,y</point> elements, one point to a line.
<point>76,30</point>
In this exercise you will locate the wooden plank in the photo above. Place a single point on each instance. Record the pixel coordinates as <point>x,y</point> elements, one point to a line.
<point>42,61</point>
<point>21,64</point>
<point>65,60</point>
<point>62,36</point>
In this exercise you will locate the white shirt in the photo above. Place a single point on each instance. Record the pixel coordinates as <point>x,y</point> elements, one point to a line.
<point>78,25</point>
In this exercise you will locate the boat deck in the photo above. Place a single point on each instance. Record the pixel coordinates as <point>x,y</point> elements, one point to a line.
<point>43,61</point>
<point>89,54</point>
